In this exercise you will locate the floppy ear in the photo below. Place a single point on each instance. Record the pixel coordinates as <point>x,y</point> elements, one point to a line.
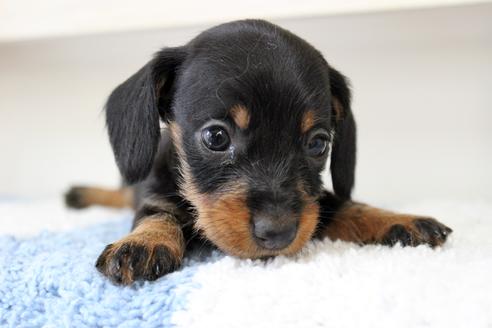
<point>344,139</point>
<point>133,111</point>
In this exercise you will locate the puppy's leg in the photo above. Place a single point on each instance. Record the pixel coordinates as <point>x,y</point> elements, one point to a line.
<point>154,247</point>
<point>82,197</point>
<point>356,222</point>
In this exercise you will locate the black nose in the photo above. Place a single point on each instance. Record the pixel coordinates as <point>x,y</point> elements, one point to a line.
<point>272,234</point>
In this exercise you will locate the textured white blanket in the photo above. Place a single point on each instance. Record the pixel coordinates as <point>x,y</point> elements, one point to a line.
<point>331,284</point>
<point>337,284</point>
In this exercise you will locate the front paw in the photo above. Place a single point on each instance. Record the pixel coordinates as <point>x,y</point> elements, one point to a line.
<point>132,259</point>
<point>419,231</point>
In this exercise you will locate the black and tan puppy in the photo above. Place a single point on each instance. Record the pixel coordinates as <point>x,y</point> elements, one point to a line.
<point>252,113</point>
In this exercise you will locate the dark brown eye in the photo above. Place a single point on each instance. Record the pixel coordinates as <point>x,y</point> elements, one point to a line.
<point>216,138</point>
<point>317,145</point>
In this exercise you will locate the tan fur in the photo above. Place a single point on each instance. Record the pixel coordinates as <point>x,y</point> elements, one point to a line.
<point>308,120</point>
<point>187,188</point>
<point>363,224</point>
<point>307,222</point>
<point>224,219</point>
<point>240,115</point>
<point>118,198</point>
<point>160,229</point>
<point>307,225</point>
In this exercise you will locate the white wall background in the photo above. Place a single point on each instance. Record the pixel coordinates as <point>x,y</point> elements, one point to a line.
<point>28,19</point>
<point>422,82</point>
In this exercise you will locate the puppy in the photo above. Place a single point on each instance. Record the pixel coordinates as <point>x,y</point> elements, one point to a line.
<point>251,113</point>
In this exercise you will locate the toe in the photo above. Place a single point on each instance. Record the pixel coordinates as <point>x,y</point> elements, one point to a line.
<point>431,231</point>
<point>397,234</point>
<point>162,262</point>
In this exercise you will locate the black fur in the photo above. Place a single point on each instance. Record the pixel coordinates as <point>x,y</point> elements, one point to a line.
<point>132,113</point>
<point>344,144</point>
<point>329,206</point>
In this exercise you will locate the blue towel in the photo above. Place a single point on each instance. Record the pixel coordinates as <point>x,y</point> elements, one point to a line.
<point>50,281</point>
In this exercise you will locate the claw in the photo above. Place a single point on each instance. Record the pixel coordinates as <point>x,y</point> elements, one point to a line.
<point>157,269</point>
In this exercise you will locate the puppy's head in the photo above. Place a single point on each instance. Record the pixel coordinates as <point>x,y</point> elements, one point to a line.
<point>253,112</point>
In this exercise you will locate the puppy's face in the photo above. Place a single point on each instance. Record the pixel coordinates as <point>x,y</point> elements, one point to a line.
<point>252,115</point>
<point>252,124</point>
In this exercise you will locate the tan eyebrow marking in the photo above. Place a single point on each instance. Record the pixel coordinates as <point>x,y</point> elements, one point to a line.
<point>308,121</point>
<point>240,115</point>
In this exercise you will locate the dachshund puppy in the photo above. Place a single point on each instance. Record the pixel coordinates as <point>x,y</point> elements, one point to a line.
<point>251,114</point>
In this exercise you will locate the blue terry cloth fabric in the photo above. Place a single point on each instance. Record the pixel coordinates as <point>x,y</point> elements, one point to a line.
<point>50,281</point>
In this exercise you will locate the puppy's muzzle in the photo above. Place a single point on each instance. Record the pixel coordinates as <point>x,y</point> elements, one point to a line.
<point>274,233</point>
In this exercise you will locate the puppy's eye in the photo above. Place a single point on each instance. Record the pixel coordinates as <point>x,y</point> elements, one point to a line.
<point>317,145</point>
<point>216,138</point>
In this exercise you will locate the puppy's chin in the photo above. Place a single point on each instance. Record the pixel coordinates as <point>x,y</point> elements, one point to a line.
<point>225,220</point>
